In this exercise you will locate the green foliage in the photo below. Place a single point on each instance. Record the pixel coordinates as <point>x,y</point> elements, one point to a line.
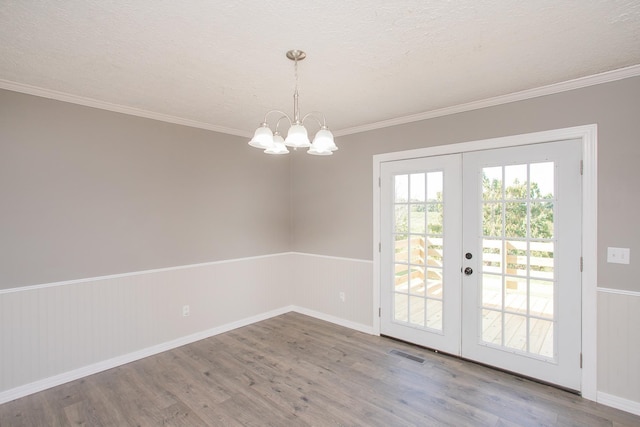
<point>515,215</point>
<point>415,211</point>
<point>401,221</point>
<point>435,217</point>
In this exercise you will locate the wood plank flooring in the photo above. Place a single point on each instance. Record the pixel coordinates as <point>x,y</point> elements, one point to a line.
<point>293,370</point>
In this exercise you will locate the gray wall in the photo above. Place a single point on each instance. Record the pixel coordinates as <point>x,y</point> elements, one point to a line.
<point>332,199</point>
<point>86,192</point>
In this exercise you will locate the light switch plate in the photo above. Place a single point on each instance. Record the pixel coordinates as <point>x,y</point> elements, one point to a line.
<point>618,255</point>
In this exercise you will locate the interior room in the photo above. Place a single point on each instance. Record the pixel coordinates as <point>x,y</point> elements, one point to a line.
<point>141,232</point>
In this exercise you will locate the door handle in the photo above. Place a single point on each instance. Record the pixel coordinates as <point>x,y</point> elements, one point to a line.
<point>468,271</point>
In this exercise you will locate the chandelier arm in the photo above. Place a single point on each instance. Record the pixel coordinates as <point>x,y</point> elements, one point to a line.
<point>314,115</point>
<point>284,115</point>
<point>280,119</point>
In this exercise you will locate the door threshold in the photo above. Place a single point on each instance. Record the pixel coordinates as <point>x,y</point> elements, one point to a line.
<point>495,368</point>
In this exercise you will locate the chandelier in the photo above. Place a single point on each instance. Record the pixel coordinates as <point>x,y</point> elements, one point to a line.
<point>297,136</point>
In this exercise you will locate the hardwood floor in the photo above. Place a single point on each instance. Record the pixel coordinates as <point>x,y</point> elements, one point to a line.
<point>294,370</point>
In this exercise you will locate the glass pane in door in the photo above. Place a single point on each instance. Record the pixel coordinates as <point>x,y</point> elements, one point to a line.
<point>418,248</point>
<point>518,282</point>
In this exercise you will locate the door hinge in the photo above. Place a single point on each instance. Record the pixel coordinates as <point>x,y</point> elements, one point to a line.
<point>379,247</point>
<point>379,182</point>
<point>580,360</point>
<point>581,167</point>
<point>379,312</point>
<point>581,264</point>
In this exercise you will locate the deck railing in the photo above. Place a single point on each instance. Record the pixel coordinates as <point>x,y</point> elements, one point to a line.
<point>414,256</point>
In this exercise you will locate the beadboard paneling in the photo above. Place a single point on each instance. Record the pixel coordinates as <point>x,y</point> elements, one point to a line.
<point>54,333</point>
<point>318,280</point>
<point>619,349</point>
<point>50,330</point>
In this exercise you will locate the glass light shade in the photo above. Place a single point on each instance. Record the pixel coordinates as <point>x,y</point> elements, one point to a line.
<point>278,146</point>
<point>262,138</point>
<point>297,137</point>
<point>317,152</point>
<point>323,144</point>
<point>323,141</point>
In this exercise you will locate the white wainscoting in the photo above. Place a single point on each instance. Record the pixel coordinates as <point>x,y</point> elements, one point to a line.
<point>318,280</point>
<point>54,333</point>
<point>619,349</point>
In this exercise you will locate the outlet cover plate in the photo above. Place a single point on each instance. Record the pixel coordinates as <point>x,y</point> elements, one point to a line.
<point>618,255</point>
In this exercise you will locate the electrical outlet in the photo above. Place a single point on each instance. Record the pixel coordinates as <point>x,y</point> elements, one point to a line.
<point>342,297</point>
<point>185,311</point>
<point>618,255</point>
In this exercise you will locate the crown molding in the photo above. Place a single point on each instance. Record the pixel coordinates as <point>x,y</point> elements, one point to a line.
<point>94,103</point>
<point>608,76</point>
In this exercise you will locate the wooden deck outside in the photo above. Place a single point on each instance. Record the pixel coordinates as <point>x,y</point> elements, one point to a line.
<point>418,287</point>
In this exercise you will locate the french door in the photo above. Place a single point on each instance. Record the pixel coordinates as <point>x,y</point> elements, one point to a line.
<point>480,257</point>
<point>420,251</point>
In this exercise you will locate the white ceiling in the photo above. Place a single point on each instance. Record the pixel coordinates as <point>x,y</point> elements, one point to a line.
<point>222,63</point>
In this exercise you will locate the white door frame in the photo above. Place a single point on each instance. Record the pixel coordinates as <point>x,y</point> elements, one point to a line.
<point>588,134</point>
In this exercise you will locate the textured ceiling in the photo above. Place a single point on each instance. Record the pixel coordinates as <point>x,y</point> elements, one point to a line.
<point>223,63</point>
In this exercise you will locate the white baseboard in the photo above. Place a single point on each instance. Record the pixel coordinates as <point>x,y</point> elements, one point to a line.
<point>619,403</point>
<point>46,383</point>
<point>332,319</point>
